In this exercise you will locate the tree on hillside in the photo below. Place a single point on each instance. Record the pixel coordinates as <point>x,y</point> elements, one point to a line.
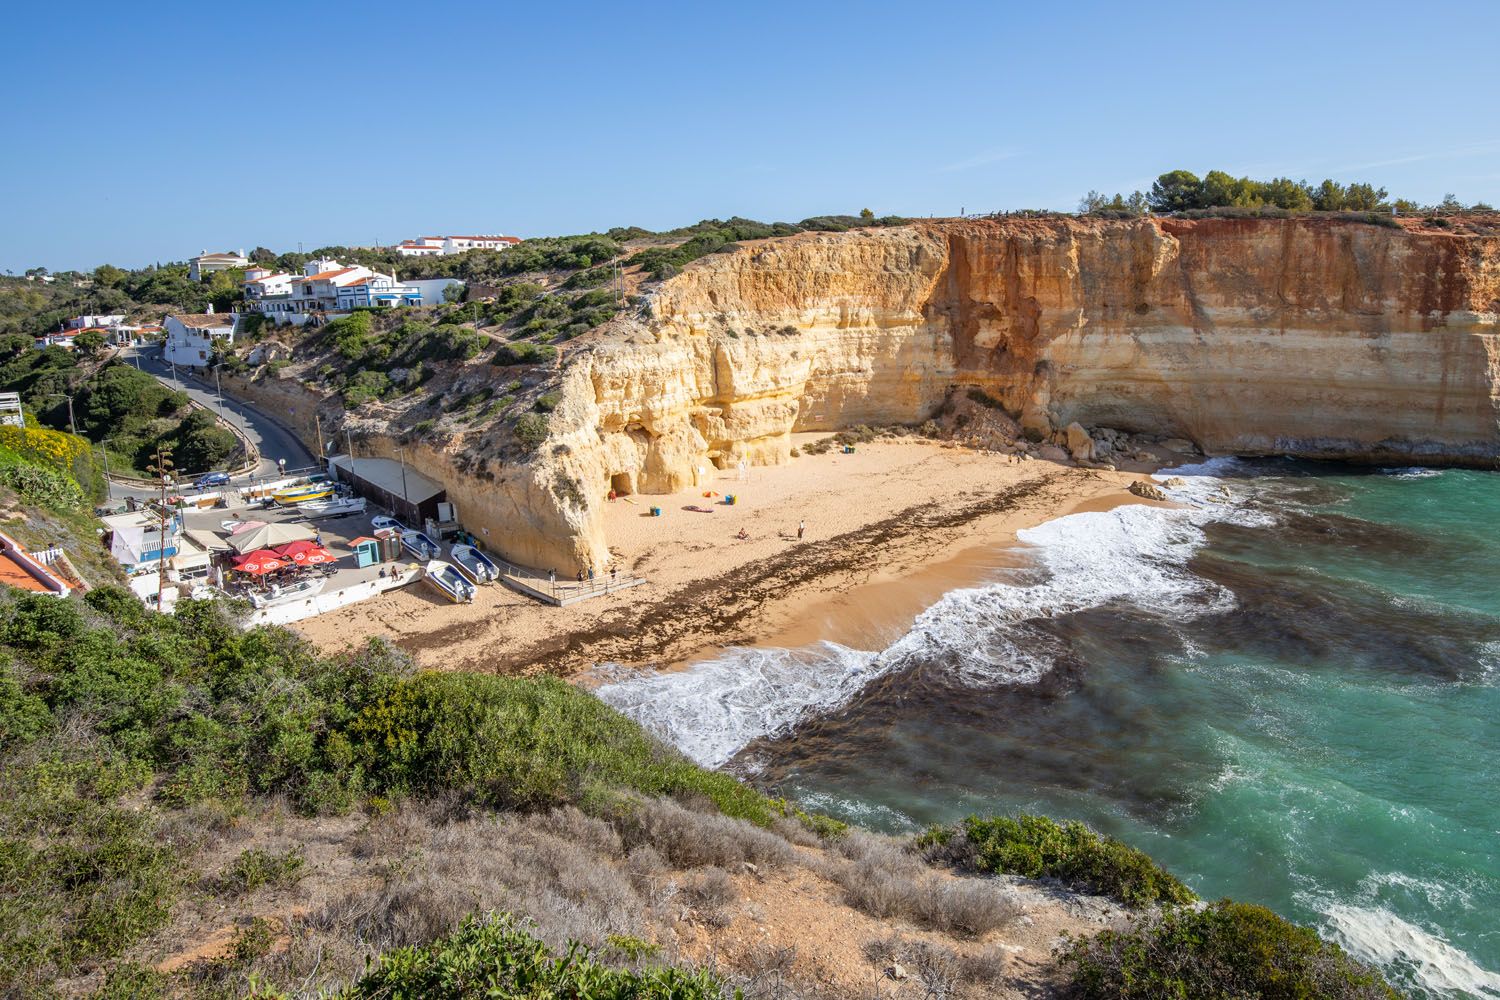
<point>1176,191</point>
<point>89,343</point>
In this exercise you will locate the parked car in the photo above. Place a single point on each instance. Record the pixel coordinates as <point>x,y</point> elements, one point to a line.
<point>208,479</point>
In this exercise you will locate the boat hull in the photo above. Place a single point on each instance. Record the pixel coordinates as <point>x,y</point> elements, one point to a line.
<point>474,565</point>
<point>446,580</point>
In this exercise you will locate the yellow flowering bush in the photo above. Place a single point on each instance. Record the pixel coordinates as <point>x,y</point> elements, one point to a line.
<point>47,447</point>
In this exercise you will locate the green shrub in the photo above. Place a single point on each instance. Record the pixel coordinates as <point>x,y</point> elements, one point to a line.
<point>1039,847</point>
<point>1226,951</point>
<point>531,430</point>
<point>256,867</point>
<point>524,354</point>
<point>547,402</point>
<point>522,743</point>
<point>365,386</point>
<point>495,956</point>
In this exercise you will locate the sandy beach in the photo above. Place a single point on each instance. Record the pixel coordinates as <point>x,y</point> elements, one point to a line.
<point>889,529</point>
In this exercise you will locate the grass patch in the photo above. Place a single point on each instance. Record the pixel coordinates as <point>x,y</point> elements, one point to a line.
<point>255,868</point>
<point>495,955</point>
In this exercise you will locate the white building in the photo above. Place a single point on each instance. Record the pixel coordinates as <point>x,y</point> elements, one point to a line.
<point>261,282</point>
<point>443,246</point>
<point>207,263</point>
<point>191,339</point>
<point>10,409</point>
<point>326,286</point>
<point>100,322</point>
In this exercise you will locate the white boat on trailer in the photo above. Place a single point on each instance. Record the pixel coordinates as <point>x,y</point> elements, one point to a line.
<point>419,544</point>
<point>287,593</point>
<point>334,507</point>
<point>447,579</point>
<point>474,564</point>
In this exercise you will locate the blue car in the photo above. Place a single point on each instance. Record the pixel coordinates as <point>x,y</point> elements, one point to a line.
<point>206,480</point>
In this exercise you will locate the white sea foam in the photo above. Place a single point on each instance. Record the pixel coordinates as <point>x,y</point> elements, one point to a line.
<point>1413,472</point>
<point>1132,553</point>
<point>1379,937</point>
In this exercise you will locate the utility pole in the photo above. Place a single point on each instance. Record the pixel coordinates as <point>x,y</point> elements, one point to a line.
<point>405,497</point>
<point>162,468</point>
<point>318,424</point>
<point>219,389</point>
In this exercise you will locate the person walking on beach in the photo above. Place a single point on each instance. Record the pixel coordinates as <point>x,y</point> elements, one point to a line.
<point>614,575</point>
<point>801,529</point>
<point>591,572</point>
<point>552,577</point>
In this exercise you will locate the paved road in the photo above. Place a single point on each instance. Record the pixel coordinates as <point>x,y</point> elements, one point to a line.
<point>271,439</point>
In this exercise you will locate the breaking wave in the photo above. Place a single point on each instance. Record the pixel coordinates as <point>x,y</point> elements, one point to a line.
<point>977,635</point>
<point>1405,951</point>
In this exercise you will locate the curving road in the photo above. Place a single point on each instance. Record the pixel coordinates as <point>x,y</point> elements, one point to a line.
<point>270,438</point>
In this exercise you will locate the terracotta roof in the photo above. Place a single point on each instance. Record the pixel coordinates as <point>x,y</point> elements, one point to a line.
<point>204,321</point>
<point>323,275</point>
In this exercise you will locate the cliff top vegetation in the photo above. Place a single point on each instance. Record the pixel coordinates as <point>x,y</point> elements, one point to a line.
<point>1184,192</point>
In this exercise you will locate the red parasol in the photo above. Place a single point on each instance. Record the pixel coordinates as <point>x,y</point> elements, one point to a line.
<point>262,561</point>
<point>305,553</point>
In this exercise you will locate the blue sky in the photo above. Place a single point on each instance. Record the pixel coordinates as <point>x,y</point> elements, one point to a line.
<point>146,132</point>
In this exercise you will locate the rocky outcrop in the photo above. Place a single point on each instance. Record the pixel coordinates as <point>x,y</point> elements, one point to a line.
<point>1310,337</point>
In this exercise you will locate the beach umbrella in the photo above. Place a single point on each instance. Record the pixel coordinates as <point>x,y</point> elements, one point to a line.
<point>320,555</point>
<point>261,561</point>
<point>269,536</point>
<point>305,553</point>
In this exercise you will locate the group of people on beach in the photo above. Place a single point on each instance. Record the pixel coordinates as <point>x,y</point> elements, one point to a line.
<point>587,575</point>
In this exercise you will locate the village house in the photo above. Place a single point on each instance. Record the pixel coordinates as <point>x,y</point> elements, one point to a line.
<point>327,286</point>
<point>191,339</point>
<point>443,246</point>
<point>207,263</point>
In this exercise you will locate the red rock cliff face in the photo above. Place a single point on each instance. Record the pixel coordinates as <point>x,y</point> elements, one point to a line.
<point>1308,337</point>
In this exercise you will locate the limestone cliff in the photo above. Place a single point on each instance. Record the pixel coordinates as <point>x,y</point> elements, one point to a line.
<point>1311,337</point>
<point>1308,337</point>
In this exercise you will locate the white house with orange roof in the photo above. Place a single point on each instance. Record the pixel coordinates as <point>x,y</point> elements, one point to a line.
<point>443,246</point>
<point>262,281</point>
<point>326,287</point>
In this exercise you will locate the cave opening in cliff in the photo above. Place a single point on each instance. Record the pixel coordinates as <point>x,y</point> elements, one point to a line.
<point>622,483</point>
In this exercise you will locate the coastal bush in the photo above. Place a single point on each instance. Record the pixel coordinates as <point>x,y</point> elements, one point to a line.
<point>531,430</point>
<point>524,354</point>
<point>524,744</point>
<point>1225,951</point>
<point>1039,847</point>
<point>495,955</point>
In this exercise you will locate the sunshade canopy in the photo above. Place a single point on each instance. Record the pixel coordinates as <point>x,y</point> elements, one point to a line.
<point>258,562</point>
<point>269,536</point>
<point>305,553</point>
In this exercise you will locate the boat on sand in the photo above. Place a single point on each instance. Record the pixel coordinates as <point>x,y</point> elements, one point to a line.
<point>474,565</point>
<point>446,578</point>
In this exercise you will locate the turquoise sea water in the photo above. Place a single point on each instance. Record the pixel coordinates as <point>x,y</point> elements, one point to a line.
<point>1291,698</point>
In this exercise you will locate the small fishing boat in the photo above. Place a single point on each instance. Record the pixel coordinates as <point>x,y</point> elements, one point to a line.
<point>419,544</point>
<point>381,523</point>
<point>333,507</point>
<point>302,494</point>
<point>287,593</point>
<point>447,579</point>
<point>474,564</point>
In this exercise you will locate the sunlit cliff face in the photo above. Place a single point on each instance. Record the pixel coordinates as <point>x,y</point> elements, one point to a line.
<point>1249,336</point>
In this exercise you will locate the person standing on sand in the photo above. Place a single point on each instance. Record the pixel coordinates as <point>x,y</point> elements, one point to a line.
<point>801,529</point>
<point>614,574</point>
<point>552,576</point>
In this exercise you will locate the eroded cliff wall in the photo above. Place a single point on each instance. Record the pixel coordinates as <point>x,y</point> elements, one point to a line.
<point>1308,337</point>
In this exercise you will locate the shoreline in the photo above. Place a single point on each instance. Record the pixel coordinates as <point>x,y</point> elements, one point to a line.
<point>892,528</point>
